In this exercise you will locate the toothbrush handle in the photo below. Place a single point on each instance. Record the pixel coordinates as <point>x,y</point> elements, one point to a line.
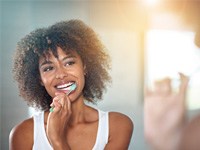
<point>52,108</point>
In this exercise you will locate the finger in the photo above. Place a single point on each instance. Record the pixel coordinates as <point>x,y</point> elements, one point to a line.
<point>59,93</point>
<point>55,103</point>
<point>59,98</point>
<point>52,104</point>
<point>64,103</point>
<point>69,104</point>
<point>163,87</point>
<point>69,111</point>
<point>184,83</point>
<point>56,106</point>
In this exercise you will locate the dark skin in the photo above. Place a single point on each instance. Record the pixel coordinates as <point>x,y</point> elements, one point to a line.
<point>191,135</point>
<point>72,124</point>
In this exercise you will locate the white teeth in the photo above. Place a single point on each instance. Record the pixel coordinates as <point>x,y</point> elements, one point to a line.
<point>65,89</point>
<point>64,85</point>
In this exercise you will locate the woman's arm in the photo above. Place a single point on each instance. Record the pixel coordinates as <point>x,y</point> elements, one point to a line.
<point>120,131</point>
<point>21,136</point>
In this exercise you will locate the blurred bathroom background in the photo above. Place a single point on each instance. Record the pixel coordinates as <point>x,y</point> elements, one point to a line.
<point>146,39</point>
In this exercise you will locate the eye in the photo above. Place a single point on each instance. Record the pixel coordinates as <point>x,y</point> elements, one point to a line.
<point>69,63</point>
<point>48,68</point>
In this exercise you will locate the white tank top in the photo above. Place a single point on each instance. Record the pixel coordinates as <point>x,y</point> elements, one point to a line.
<point>41,142</point>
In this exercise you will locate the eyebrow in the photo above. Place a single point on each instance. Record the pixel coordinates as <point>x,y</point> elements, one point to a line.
<point>49,62</point>
<point>45,63</point>
<point>69,56</point>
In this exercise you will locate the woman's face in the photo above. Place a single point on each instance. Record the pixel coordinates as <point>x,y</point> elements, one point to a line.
<point>58,74</point>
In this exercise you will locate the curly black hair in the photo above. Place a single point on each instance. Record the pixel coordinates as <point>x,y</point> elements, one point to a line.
<point>71,35</point>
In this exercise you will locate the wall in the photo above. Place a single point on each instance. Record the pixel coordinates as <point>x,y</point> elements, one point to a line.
<point>0,71</point>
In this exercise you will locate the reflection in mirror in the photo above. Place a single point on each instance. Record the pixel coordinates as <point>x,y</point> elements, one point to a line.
<point>172,46</point>
<point>170,52</point>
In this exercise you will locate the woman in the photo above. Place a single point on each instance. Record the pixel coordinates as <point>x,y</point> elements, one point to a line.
<point>48,62</point>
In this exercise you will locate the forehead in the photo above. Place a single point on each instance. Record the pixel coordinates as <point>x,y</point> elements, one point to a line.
<point>58,54</point>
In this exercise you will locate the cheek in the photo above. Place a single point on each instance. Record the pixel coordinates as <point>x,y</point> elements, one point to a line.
<point>82,82</point>
<point>47,85</point>
<point>81,77</point>
<point>44,80</point>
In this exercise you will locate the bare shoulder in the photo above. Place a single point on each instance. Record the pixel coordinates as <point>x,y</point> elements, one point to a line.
<point>119,120</point>
<point>22,131</point>
<point>120,131</point>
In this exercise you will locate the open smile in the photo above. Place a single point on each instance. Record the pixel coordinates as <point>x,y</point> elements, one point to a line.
<point>65,86</point>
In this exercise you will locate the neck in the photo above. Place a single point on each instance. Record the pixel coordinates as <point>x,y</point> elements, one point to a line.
<point>78,112</point>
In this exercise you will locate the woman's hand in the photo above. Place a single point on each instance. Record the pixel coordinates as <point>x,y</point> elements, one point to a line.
<point>57,122</point>
<point>165,114</point>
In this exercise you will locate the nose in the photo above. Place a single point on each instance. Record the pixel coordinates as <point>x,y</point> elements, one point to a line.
<point>61,73</point>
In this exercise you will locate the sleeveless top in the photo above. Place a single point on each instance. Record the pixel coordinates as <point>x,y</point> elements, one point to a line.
<point>41,142</point>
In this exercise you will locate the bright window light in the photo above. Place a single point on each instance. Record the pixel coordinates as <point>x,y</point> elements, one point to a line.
<point>169,52</point>
<point>151,2</point>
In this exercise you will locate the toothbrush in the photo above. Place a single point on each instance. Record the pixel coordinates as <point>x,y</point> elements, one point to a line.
<point>72,88</point>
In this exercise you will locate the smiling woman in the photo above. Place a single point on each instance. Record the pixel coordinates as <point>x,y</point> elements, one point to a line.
<point>67,69</point>
<point>60,67</point>
<point>72,36</point>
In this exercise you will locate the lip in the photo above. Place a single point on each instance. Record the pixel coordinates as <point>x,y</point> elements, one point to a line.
<point>65,87</point>
<point>63,83</point>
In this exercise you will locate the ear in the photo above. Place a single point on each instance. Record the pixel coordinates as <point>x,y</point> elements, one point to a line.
<point>85,69</point>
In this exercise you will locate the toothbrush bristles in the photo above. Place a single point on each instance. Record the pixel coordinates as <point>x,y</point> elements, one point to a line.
<point>72,88</point>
